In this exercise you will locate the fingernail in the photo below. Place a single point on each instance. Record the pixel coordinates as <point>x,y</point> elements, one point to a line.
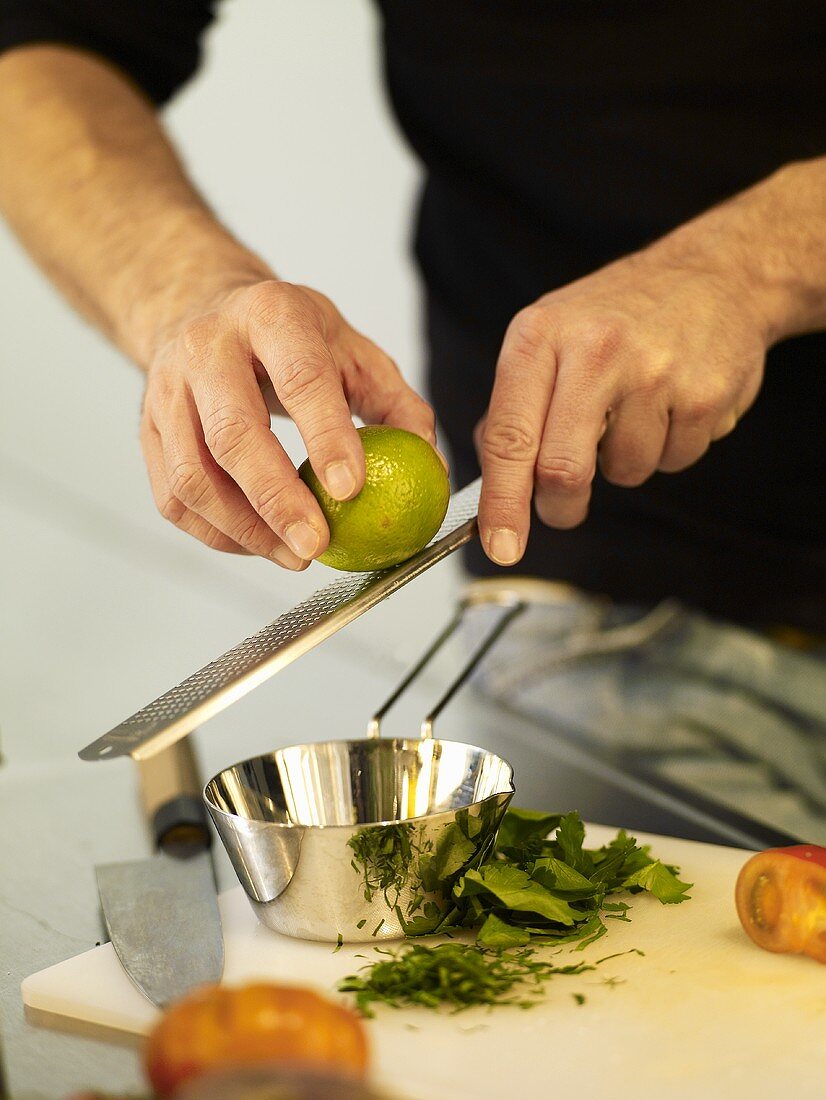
<point>504,546</point>
<point>281,555</point>
<point>340,481</point>
<point>302,539</point>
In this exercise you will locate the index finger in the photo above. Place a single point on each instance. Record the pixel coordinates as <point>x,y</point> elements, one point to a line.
<point>236,427</point>
<point>525,376</point>
<point>309,385</point>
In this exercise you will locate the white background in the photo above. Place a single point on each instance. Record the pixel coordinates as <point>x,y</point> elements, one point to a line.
<point>287,131</point>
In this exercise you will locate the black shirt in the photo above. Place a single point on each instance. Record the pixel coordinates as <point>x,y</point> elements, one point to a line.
<point>557,135</point>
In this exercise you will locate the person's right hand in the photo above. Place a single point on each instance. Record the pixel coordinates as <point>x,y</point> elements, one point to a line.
<point>217,470</point>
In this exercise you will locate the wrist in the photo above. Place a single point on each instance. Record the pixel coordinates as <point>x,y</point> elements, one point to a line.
<point>192,274</point>
<point>757,244</point>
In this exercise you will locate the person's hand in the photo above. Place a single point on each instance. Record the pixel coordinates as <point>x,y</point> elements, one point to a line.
<point>217,470</point>
<point>638,367</point>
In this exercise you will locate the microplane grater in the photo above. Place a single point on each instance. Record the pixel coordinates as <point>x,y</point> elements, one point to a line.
<point>214,687</point>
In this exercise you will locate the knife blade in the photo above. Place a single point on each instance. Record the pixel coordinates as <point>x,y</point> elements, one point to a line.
<point>207,692</point>
<point>162,912</point>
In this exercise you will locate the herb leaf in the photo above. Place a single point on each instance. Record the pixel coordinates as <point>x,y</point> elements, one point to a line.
<point>520,828</point>
<point>661,881</point>
<point>516,890</point>
<point>562,878</point>
<point>570,837</point>
<point>498,933</point>
<point>452,851</point>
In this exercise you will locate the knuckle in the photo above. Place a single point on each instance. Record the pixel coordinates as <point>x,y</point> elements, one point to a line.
<point>508,441</point>
<point>329,440</point>
<point>273,502</point>
<point>170,507</point>
<point>648,385</point>
<point>383,364</point>
<point>216,540</point>
<point>225,432</point>
<point>530,329</point>
<point>602,339</point>
<point>189,483</point>
<point>501,505</point>
<point>425,416</point>
<point>159,393</point>
<point>627,475</point>
<point>266,300</point>
<point>247,533</point>
<point>696,410</point>
<point>300,378</point>
<point>559,474</point>
<point>197,337</point>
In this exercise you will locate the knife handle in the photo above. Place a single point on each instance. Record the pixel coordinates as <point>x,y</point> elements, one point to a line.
<point>170,790</point>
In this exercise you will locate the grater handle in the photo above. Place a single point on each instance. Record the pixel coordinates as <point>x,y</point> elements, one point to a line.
<point>511,607</point>
<point>214,687</point>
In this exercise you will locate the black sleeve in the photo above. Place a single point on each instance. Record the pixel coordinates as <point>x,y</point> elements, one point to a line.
<point>156,42</point>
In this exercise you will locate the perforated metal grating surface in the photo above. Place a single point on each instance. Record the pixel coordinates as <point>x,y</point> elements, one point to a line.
<point>218,684</point>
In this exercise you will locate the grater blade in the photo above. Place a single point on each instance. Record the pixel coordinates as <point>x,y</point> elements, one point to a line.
<point>214,687</point>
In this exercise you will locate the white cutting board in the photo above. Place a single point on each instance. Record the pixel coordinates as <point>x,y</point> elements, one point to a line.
<point>704,1014</point>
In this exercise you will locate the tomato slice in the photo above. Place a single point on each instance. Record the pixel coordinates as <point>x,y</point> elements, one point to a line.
<point>781,900</point>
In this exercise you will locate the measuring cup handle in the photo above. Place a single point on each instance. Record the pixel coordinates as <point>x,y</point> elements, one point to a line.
<point>512,605</point>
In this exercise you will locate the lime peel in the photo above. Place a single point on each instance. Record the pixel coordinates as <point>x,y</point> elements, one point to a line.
<point>398,511</point>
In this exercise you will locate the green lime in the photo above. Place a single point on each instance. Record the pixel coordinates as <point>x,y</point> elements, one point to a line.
<point>399,510</point>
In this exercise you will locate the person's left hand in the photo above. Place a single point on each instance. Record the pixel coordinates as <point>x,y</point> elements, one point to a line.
<point>638,367</point>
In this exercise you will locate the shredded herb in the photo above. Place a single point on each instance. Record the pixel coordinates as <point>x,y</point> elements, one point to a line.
<point>383,857</point>
<point>339,943</point>
<point>458,975</point>
<point>579,998</point>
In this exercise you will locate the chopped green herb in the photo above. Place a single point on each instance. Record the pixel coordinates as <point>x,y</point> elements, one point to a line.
<point>579,998</point>
<point>383,856</point>
<point>539,886</point>
<point>339,943</point>
<point>619,954</point>
<point>457,975</point>
<point>362,922</point>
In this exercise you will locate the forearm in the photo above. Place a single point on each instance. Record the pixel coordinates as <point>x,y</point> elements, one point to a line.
<point>97,195</point>
<point>771,238</point>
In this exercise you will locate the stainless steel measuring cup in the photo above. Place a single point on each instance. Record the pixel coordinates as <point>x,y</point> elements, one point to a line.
<point>361,840</point>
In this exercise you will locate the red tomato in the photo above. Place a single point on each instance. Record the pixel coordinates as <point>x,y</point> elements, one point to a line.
<point>805,851</point>
<point>781,900</point>
<point>215,1026</point>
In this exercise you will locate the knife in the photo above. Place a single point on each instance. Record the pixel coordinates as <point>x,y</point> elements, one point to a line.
<point>162,912</point>
<point>207,692</point>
